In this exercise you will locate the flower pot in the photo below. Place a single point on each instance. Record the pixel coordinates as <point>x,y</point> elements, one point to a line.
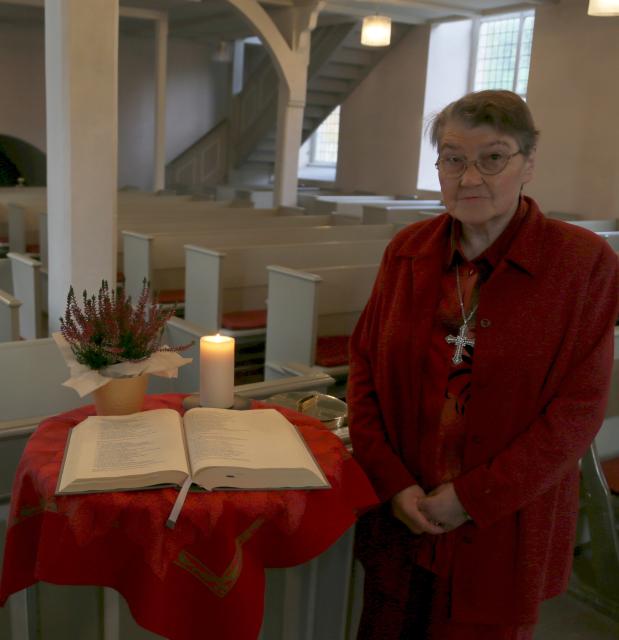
<point>121,396</point>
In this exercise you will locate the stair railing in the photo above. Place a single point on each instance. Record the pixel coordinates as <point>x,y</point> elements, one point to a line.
<point>204,163</point>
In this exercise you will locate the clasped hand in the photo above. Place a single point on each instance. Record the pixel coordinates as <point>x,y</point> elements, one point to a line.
<point>435,513</point>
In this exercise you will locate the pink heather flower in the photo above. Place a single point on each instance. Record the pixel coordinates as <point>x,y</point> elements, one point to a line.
<point>107,329</point>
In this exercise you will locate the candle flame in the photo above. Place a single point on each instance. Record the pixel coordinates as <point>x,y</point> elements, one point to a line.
<point>217,338</point>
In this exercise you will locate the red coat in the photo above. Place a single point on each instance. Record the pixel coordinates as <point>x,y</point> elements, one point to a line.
<point>540,382</point>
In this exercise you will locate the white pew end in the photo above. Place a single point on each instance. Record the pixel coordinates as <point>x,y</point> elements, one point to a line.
<point>137,255</point>
<point>6,277</point>
<point>31,378</point>
<point>203,289</point>
<point>17,228</point>
<point>179,331</point>
<point>612,237</point>
<point>27,288</point>
<point>597,225</point>
<point>9,317</point>
<point>303,305</point>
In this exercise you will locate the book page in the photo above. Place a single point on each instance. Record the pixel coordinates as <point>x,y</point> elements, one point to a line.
<point>257,440</point>
<point>140,445</point>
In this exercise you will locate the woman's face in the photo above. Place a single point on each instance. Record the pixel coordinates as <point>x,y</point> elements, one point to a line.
<point>474,198</point>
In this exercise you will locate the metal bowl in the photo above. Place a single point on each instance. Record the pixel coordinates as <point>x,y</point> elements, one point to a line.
<point>331,411</point>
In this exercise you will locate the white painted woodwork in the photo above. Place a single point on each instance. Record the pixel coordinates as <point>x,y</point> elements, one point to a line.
<point>31,380</point>
<point>9,317</point>
<point>609,224</point>
<point>303,305</point>
<point>81,57</point>
<point>612,237</point>
<point>288,140</point>
<point>161,66</point>
<point>27,289</point>
<point>235,278</point>
<point>17,228</point>
<point>381,214</point>
<point>6,279</point>
<point>137,262</point>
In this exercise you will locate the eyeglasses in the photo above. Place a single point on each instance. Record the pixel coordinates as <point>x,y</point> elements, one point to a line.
<point>488,164</point>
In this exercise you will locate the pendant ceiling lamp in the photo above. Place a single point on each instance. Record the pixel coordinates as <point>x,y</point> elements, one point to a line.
<point>376,31</point>
<point>603,8</point>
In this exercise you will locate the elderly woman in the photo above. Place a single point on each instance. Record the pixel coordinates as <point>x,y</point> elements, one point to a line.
<point>479,375</point>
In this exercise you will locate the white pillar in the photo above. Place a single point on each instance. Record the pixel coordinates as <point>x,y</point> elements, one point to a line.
<point>81,70</point>
<point>289,45</point>
<point>288,143</point>
<point>161,44</point>
<point>238,66</point>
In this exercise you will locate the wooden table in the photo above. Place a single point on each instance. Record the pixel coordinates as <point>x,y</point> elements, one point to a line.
<point>207,574</point>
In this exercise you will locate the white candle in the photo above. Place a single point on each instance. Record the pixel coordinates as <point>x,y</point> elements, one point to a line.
<point>217,371</point>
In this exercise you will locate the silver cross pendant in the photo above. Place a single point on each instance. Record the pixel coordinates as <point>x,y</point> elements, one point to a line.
<point>460,341</point>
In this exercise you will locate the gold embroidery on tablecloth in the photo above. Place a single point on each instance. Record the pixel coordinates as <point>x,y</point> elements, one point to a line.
<point>219,585</point>
<point>29,510</point>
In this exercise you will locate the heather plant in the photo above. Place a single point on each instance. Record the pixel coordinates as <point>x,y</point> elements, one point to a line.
<point>107,329</point>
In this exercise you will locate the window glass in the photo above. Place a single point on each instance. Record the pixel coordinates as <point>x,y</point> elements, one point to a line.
<point>504,52</point>
<point>324,147</point>
<point>493,52</point>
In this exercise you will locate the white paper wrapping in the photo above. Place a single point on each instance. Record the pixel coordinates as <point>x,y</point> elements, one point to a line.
<point>85,380</point>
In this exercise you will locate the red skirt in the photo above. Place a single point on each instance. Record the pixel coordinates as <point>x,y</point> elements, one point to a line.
<point>404,601</point>
<point>420,611</point>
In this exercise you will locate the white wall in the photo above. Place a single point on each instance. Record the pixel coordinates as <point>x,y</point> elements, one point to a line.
<point>449,58</point>
<point>574,96</point>
<point>22,96</point>
<point>382,122</point>
<point>197,96</point>
<point>197,99</point>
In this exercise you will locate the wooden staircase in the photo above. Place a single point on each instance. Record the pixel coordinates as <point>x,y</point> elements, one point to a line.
<point>338,64</point>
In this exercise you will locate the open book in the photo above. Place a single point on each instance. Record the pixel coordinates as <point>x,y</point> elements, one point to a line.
<point>214,448</point>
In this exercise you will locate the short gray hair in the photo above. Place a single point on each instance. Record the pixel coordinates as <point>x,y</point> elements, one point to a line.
<point>503,110</point>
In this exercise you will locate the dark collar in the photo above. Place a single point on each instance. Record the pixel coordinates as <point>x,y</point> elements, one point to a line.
<point>490,258</point>
<point>431,239</point>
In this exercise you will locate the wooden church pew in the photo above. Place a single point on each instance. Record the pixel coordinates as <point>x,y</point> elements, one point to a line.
<point>27,289</point>
<point>396,214</point>
<point>235,279</point>
<point>179,331</point>
<point>612,237</point>
<point>597,225</point>
<point>305,305</point>
<point>145,214</point>
<point>596,563</point>
<point>23,232</point>
<point>143,251</point>
<point>68,611</point>
<point>6,279</point>
<point>564,215</point>
<point>31,198</point>
<point>9,317</point>
<point>259,197</point>
<point>352,205</point>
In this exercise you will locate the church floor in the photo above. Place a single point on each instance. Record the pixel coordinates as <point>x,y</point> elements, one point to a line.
<point>567,618</point>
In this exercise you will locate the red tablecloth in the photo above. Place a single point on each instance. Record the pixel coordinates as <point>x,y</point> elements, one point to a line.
<point>207,573</point>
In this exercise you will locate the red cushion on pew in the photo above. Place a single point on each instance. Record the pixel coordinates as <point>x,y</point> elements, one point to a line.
<point>32,248</point>
<point>332,351</point>
<point>252,319</point>
<point>611,471</point>
<point>170,296</point>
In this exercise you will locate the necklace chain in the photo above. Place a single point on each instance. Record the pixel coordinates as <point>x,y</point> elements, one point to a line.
<point>461,340</point>
<point>465,318</point>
